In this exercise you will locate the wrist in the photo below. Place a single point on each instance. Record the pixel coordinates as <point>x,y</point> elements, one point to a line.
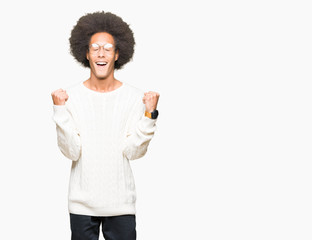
<point>150,109</point>
<point>152,114</point>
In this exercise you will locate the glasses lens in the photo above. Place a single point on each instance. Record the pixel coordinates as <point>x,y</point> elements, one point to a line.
<point>95,48</point>
<point>108,47</point>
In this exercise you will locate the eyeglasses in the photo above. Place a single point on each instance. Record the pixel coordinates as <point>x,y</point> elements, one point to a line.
<point>95,48</point>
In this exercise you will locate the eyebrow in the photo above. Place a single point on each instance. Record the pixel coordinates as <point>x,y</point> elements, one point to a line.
<point>109,45</point>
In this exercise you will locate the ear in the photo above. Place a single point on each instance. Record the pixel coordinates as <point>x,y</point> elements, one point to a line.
<point>87,55</point>
<point>116,55</point>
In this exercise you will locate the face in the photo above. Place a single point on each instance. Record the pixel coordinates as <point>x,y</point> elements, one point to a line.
<point>102,55</point>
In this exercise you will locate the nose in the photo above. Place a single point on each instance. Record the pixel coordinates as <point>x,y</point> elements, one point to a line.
<point>101,52</point>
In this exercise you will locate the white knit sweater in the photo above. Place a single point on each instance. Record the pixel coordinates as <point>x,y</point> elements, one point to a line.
<point>100,133</point>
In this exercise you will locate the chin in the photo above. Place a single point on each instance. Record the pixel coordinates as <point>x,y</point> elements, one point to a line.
<point>101,77</point>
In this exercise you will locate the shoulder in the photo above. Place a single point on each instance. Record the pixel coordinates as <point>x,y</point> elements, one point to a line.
<point>134,97</point>
<point>74,92</point>
<point>73,88</point>
<point>133,91</point>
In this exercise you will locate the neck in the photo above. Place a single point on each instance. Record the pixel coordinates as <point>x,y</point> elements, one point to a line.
<point>102,84</point>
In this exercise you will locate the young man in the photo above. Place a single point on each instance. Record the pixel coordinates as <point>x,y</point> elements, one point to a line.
<point>102,124</point>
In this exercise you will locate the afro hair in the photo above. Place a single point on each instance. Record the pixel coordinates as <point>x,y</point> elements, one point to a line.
<point>92,23</point>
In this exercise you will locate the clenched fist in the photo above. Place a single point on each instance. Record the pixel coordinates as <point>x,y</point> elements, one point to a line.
<point>59,97</point>
<point>150,100</point>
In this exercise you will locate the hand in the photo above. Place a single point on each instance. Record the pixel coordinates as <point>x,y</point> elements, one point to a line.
<point>150,100</point>
<point>59,97</point>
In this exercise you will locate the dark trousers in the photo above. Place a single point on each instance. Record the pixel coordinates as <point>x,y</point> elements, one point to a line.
<point>114,228</point>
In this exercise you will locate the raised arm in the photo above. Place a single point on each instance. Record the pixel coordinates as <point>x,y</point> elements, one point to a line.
<point>68,137</point>
<point>141,128</point>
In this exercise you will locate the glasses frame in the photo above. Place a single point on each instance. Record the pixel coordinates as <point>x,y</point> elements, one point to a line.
<point>108,50</point>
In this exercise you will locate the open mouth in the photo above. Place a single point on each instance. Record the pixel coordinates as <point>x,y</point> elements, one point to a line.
<point>101,64</point>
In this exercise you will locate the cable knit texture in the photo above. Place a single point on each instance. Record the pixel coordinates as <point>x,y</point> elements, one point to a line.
<point>101,133</point>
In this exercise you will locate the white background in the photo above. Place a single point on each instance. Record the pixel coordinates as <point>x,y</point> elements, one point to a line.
<point>231,158</point>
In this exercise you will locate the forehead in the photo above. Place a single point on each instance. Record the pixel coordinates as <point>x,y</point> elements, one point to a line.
<point>102,38</point>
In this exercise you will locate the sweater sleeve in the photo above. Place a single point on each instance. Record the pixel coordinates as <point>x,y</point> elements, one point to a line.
<point>68,137</point>
<point>140,133</point>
